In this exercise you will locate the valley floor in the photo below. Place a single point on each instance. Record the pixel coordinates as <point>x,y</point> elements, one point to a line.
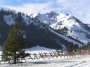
<point>81,61</point>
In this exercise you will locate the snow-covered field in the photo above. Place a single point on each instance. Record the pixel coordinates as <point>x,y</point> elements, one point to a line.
<point>82,61</point>
<point>64,61</point>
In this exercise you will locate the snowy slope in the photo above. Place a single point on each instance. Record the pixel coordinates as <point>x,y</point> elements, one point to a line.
<point>66,38</point>
<point>47,18</point>
<point>26,19</point>
<point>38,49</point>
<point>58,21</point>
<point>9,19</point>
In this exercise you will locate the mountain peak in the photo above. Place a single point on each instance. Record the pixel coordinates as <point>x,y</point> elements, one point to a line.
<point>59,21</point>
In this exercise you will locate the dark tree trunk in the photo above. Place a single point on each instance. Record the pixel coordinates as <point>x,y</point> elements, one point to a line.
<point>14,58</point>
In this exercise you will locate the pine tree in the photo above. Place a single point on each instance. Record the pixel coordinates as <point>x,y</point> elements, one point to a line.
<point>71,49</point>
<point>13,44</point>
<point>88,46</point>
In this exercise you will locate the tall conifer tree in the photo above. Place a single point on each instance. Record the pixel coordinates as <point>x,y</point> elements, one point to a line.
<point>13,44</point>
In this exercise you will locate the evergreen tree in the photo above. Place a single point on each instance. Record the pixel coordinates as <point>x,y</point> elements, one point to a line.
<point>13,44</point>
<point>88,46</point>
<point>71,49</point>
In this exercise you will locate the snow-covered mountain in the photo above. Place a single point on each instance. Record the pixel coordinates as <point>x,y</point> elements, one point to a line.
<point>66,22</point>
<point>52,30</point>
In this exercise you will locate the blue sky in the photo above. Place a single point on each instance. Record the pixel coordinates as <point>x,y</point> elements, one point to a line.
<point>78,8</point>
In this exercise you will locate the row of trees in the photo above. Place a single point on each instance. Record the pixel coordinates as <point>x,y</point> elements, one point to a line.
<point>86,47</point>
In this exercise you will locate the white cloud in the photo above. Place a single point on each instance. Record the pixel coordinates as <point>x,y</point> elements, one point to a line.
<point>78,8</point>
<point>32,7</point>
<point>63,3</point>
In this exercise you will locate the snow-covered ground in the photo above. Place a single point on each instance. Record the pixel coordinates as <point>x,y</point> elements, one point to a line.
<point>82,61</point>
<point>63,61</point>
